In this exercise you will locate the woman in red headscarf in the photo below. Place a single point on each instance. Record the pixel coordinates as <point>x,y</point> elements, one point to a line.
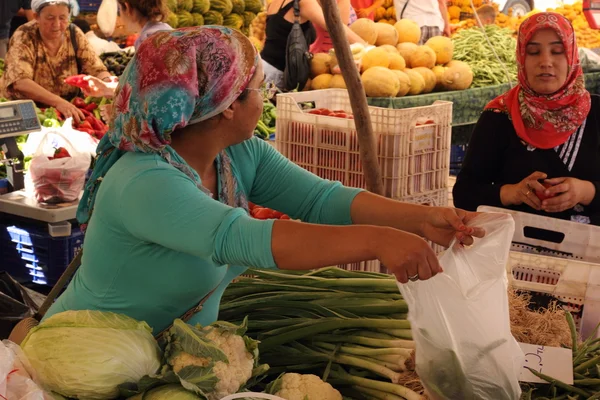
<point>536,148</point>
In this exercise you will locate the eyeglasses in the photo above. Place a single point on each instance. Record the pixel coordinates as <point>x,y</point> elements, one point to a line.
<point>267,90</point>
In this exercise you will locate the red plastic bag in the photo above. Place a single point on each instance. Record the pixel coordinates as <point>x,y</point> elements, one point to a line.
<point>55,179</point>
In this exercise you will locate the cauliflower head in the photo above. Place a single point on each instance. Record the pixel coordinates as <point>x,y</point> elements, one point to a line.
<point>294,386</point>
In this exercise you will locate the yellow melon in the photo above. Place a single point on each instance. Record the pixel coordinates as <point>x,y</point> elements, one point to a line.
<point>408,31</point>
<point>439,70</point>
<point>428,77</point>
<point>337,82</point>
<point>458,76</point>
<point>320,64</point>
<point>404,83</point>
<point>365,28</point>
<point>423,56</point>
<point>380,82</point>
<point>322,81</point>
<point>442,47</point>
<point>417,83</point>
<point>396,62</point>
<point>406,50</point>
<point>386,34</point>
<point>375,58</point>
<point>389,48</point>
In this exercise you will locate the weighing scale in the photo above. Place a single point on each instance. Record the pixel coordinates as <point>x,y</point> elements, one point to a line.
<point>20,118</point>
<point>591,10</point>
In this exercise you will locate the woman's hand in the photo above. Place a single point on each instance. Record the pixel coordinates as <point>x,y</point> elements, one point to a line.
<point>70,111</point>
<point>100,88</point>
<point>566,193</point>
<point>443,224</point>
<point>524,191</point>
<point>406,255</point>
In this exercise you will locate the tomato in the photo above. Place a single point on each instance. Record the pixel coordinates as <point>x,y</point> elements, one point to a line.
<point>340,115</point>
<point>263,213</point>
<point>285,216</point>
<point>542,195</point>
<point>339,111</point>
<point>277,214</point>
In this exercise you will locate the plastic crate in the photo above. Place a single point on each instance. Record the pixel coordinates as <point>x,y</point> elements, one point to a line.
<point>574,284</point>
<point>437,198</point>
<point>413,144</point>
<point>457,155</point>
<point>31,255</point>
<point>89,5</point>
<point>553,237</point>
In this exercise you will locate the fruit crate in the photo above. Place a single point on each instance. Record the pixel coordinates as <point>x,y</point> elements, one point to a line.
<point>575,285</point>
<point>413,144</point>
<point>438,198</point>
<point>553,237</point>
<point>90,6</point>
<point>32,256</point>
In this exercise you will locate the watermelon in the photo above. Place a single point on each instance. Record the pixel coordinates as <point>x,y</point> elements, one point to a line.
<point>245,31</point>
<point>201,6</point>
<point>198,19</point>
<point>238,6</point>
<point>172,5</point>
<point>249,16</point>
<point>172,20</point>
<point>235,21</point>
<point>213,18</point>
<point>223,7</point>
<point>254,6</point>
<point>185,19</point>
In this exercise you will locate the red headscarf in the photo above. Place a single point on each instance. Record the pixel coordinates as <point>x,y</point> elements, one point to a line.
<point>546,121</point>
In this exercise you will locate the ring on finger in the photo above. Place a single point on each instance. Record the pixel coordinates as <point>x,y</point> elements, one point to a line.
<point>414,278</point>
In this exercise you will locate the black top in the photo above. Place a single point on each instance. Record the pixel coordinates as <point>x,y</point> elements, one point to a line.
<point>278,29</point>
<point>497,156</point>
<point>8,9</point>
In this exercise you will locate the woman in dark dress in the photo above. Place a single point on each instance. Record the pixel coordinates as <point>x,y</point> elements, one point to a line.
<point>536,148</point>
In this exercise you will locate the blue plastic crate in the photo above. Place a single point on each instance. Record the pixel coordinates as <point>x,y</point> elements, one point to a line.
<point>89,5</point>
<point>457,155</point>
<point>31,255</point>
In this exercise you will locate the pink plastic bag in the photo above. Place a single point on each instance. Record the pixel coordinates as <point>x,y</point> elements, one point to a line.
<point>58,180</point>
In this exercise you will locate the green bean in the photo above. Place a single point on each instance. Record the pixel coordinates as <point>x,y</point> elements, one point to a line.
<point>558,383</point>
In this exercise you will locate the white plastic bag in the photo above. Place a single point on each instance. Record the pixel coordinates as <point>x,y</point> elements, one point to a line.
<point>16,381</point>
<point>58,179</point>
<point>460,320</point>
<point>82,141</point>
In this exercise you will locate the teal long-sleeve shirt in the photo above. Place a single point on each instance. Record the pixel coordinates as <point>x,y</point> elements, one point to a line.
<point>156,244</point>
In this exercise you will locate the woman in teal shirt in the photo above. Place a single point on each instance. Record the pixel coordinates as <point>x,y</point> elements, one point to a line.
<point>166,206</point>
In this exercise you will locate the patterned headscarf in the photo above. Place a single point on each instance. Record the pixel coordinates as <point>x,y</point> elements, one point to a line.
<point>546,121</point>
<point>176,78</point>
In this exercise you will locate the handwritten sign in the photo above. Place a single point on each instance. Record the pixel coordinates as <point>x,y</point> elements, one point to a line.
<point>551,361</point>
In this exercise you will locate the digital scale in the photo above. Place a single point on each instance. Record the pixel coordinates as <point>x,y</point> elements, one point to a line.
<point>591,10</point>
<point>20,118</point>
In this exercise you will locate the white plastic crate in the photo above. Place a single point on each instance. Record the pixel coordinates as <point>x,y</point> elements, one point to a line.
<point>575,284</point>
<point>565,239</point>
<point>413,144</point>
<point>437,198</point>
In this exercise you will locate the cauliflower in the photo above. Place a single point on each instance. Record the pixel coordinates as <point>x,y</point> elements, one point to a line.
<point>294,386</point>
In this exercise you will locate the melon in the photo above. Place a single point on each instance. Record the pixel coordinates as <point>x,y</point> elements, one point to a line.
<point>380,82</point>
<point>320,64</point>
<point>254,6</point>
<point>438,71</point>
<point>396,62</point>
<point>386,34</point>
<point>234,21</point>
<point>442,47</point>
<point>428,77</point>
<point>201,6</point>
<point>213,18</point>
<point>249,16</point>
<point>185,19</point>
<point>375,58</point>
<point>406,50</point>
<point>389,48</point>
<point>172,5</point>
<point>417,83</point>
<point>239,6</point>
<point>322,81</point>
<point>337,82</point>
<point>457,76</point>
<point>365,28</point>
<point>408,31</point>
<point>198,19</point>
<point>423,56</point>
<point>224,7</point>
<point>404,83</point>
<point>185,5</point>
<point>172,20</point>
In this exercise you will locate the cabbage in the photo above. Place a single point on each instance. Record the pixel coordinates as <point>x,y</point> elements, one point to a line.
<point>88,354</point>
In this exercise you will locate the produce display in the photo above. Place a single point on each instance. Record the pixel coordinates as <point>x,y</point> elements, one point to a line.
<point>266,124</point>
<point>471,47</point>
<point>117,61</point>
<point>1,67</point>
<point>393,64</point>
<point>263,213</point>
<point>386,13</point>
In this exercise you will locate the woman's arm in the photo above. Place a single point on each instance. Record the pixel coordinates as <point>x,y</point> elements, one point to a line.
<point>443,5</point>
<point>27,88</point>
<point>312,11</point>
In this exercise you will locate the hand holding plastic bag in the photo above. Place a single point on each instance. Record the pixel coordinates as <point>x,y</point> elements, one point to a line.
<point>460,320</point>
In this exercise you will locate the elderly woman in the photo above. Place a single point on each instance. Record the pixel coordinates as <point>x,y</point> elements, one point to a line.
<point>43,53</point>
<point>167,204</point>
<point>536,148</point>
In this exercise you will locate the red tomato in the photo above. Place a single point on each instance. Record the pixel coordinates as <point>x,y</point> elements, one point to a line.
<point>277,214</point>
<point>285,216</point>
<point>542,195</point>
<point>340,115</point>
<point>263,213</point>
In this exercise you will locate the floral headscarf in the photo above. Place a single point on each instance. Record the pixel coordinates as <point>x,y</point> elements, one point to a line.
<point>546,121</point>
<point>176,78</point>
